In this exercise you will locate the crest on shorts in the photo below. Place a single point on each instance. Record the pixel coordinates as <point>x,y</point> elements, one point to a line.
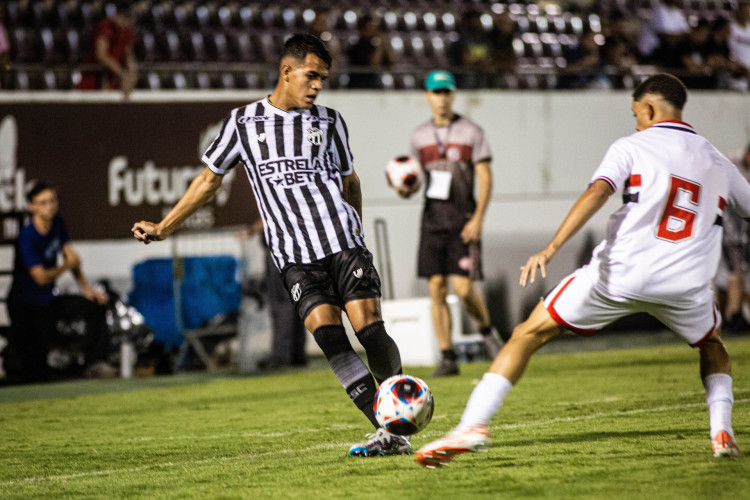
<point>315,136</point>
<point>296,292</point>
<point>358,273</point>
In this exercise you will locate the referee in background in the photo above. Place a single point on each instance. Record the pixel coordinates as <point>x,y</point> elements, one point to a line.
<point>297,157</point>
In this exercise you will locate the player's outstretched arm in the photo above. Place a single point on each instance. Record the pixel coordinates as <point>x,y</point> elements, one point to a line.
<point>584,208</point>
<point>199,192</point>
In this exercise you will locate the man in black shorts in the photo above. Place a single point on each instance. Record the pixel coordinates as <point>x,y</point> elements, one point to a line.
<point>297,157</point>
<point>453,151</point>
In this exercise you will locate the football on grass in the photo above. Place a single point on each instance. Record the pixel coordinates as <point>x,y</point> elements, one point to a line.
<point>404,171</point>
<point>404,405</point>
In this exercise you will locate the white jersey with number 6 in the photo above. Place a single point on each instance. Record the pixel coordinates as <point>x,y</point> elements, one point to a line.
<point>664,243</point>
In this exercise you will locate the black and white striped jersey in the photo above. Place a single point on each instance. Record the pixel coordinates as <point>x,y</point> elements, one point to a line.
<point>295,162</point>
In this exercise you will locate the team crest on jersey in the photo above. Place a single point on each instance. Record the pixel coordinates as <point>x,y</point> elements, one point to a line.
<point>296,292</point>
<point>453,154</point>
<point>315,136</point>
<point>358,273</point>
<point>262,137</point>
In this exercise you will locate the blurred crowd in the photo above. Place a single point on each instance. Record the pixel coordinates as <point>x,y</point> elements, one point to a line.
<point>572,45</point>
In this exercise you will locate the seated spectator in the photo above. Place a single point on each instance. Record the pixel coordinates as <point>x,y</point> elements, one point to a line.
<point>321,28</point>
<point>473,51</point>
<point>583,63</point>
<point>4,54</point>
<point>739,38</point>
<point>667,26</point>
<point>620,51</point>
<point>369,55</point>
<point>729,73</point>
<point>43,253</point>
<point>502,55</point>
<point>693,52</point>
<point>112,48</point>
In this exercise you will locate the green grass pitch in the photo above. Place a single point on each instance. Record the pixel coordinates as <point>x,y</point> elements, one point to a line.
<point>616,424</point>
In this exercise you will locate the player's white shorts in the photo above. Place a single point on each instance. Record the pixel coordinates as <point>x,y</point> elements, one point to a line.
<point>578,306</point>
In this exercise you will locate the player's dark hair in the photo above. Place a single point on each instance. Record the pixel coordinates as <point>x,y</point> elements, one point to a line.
<point>37,188</point>
<point>301,44</point>
<point>667,86</point>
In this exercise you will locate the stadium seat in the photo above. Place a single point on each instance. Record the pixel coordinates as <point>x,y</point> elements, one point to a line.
<point>217,47</point>
<point>47,43</point>
<point>202,80</point>
<point>241,47</point>
<point>22,80</point>
<point>170,47</point>
<point>22,46</point>
<point>153,82</point>
<point>208,288</point>
<point>71,47</point>
<point>196,47</point>
<point>438,50</point>
<point>225,17</point>
<point>430,21</point>
<point>408,21</point>
<point>398,46</point>
<point>227,81</point>
<point>178,81</point>
<point>145,47</point>
<point>448,21</point>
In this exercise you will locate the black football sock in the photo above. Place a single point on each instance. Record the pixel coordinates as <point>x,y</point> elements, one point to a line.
<point>449,354</point>
<point>349,368</point>
<point>382,352</point>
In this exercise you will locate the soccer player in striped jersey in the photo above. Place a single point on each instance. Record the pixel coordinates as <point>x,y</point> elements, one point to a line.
<point>296,155</point>
<point>661,250</point>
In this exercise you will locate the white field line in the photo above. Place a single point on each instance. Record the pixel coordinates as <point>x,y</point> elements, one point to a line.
<point>322,446</point>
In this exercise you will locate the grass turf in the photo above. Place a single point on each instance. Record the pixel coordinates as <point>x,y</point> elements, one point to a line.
<point>619,424</point>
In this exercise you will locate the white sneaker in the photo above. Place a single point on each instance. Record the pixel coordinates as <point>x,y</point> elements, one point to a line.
<point>442,451</point>
<point>724,445</point>
<point>380,443</point>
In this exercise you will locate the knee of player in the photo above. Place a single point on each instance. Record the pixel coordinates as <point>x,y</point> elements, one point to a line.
<point>463,288</point>
<point>711,343</point>
<point>533,332</point>
<point>438,288</point>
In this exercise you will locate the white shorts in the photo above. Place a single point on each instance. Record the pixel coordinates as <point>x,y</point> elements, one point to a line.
<point>578,306</point>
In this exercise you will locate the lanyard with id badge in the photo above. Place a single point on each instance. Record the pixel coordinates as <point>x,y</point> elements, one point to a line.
<point>440,180</point>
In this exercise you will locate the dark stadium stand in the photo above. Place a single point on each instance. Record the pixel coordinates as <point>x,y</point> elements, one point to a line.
<point>230,44</point>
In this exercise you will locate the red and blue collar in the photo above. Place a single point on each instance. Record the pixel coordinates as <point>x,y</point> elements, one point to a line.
<point>675,125</point>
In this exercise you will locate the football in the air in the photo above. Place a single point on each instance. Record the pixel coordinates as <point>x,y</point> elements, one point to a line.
<point>404,405</point>
<point>404,171</point>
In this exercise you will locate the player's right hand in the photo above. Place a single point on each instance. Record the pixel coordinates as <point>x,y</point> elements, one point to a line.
<point>146,232</point>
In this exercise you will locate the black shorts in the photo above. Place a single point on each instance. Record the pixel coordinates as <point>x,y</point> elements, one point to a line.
<point>445,254</point>
<point>336,280</point>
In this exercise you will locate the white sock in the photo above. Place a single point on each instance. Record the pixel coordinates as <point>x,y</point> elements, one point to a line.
<point>719,400</point>
<point>485,400</point>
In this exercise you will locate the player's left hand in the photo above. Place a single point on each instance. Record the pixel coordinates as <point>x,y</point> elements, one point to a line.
<point>528,271</point>
<point>472,231</point>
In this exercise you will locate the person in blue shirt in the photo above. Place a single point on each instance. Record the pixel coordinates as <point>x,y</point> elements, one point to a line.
<point>37,264</point>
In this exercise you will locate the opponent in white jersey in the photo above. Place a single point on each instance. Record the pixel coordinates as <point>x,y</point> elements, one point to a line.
<point>661,250</point>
